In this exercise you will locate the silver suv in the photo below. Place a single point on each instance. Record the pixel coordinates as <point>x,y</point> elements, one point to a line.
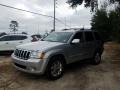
<point>50,55</point>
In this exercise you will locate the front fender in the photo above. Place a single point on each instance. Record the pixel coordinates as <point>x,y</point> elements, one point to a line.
<point>52,53</point>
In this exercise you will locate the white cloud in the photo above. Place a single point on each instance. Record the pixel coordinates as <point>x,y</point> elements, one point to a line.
<point>26,14</point>
<point>31,22</point>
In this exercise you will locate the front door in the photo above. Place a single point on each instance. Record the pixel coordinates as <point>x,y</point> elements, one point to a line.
<point>76,50</point>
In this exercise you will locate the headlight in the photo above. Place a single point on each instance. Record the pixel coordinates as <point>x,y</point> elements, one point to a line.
<point>37,55</point>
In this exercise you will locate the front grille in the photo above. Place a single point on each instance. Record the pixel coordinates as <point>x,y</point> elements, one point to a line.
<point>22,54</point>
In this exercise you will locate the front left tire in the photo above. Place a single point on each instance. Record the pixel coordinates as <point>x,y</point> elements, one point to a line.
<point>55,68</point>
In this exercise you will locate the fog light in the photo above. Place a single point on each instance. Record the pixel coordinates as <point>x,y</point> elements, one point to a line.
<point>32,69</point>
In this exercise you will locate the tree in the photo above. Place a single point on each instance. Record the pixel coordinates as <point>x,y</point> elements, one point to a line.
<point>89,3</point>
<point>107,23</point>
<point>14,26</point>
<point>100,23</point>
<point>114,18</point>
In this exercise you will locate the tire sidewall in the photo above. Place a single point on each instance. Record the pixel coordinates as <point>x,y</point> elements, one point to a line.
<point>94,62</point>
<point>48,70</point>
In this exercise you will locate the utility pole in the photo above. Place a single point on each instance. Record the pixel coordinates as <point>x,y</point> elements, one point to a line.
<point>54,15</point>
<point>65,22</point>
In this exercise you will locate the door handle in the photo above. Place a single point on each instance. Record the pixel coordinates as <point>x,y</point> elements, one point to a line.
<point>6,43</point>
<point>20,42</point>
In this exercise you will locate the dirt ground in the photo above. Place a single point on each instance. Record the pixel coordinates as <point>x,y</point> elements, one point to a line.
<point>78,76</point>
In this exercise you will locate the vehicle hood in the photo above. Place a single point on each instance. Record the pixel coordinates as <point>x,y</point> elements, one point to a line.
<point>39,45</point>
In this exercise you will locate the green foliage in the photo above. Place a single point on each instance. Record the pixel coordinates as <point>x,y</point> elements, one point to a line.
<point>14,26</point>
<point>89,3</point>
<point>114,17</point>
<point>100,23</point>
<point>108,24</point>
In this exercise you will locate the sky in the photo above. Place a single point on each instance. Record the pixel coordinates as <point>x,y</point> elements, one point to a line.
<point>33,24</point>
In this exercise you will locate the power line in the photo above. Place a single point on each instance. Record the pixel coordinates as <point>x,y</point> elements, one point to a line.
<point>31,12</point>
<point>25,10</point>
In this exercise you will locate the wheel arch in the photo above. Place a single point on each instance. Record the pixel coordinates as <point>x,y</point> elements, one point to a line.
<point>98,50</point>
<point>58,55</point>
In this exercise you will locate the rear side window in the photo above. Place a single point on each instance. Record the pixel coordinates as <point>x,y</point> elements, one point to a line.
<point>97,36</point>
<point>20,37</point>
<point>89,36</point>
<point>13,38</point>
<point>7,38</point>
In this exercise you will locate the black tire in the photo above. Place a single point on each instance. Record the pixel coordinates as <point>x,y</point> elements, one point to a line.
<point>96,59</point>
<point>53,73</point>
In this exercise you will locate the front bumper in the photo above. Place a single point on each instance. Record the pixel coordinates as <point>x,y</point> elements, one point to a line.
<point>34,66</point>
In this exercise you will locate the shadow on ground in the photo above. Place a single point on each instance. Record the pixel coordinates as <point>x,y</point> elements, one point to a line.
<point>6,53</point>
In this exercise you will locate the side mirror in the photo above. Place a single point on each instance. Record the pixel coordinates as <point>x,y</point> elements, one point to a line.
<point>75,41</point>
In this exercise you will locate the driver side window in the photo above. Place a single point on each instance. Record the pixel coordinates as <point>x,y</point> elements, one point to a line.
<point>79,36</point>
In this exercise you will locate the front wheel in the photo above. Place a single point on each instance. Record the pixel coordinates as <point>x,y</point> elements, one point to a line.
<point>96,59</point>
<point>55,68</point>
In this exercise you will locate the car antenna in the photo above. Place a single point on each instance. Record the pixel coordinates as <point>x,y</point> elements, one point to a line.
<point>82,28</point>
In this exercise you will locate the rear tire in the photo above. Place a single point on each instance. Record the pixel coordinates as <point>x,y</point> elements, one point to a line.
<point>96,59</point>
<point>55,68</point>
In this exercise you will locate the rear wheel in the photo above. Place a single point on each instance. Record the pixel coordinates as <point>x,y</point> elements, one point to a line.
<point>55,68</point>
<point>96,59</point>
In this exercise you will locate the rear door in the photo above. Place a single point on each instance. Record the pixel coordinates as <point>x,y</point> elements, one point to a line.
<point>11,41</point>
<point>99,42</point>
<point>18,40</point>
<point>89,45</point>
<point>5,43</point>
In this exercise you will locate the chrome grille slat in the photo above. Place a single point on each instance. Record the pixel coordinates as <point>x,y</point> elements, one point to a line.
<point>28,54</point>
<point>18,53</point>
<point>22,54</point>
<point>25,54</point>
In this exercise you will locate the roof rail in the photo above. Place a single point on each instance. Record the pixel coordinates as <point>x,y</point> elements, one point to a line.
<point>77,29</point>
<point>70,29</point>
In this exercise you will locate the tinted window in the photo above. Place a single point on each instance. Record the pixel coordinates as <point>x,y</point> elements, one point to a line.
<point>13,38</point>
<point>7,38</point>
<point>89,36</point>
<point>20,37</point>
<point>97,36</point>
<point>79,36</point>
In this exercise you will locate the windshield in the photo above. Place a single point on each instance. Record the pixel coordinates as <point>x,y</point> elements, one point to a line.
<point>58,37</point>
